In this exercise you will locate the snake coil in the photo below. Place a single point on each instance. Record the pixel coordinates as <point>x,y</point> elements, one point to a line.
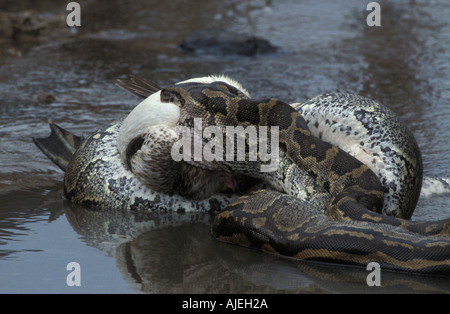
<point>351,230</point>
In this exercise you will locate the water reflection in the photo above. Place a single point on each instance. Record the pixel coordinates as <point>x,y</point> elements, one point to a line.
<point>175,253</point>
<point>20,209</point>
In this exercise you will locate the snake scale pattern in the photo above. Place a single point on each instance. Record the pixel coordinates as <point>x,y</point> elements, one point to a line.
<point>97,178</point>
<point>352,229</point>
<point>336,220</point>
<point>375,135</point>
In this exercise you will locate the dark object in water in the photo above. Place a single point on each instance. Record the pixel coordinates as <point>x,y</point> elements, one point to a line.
<point>218,42</point>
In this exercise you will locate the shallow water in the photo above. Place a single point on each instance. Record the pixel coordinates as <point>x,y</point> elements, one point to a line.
<point>326,47</point>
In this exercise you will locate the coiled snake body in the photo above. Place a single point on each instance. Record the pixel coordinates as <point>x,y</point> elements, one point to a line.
<point>97,177</point>
<point>335,218</point>
<point>350,231</point>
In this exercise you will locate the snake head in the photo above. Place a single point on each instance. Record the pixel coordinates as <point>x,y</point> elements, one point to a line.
<point>173,95</point>
<point>183,94</point>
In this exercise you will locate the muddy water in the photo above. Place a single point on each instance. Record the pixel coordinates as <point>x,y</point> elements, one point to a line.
<point>326,47</point>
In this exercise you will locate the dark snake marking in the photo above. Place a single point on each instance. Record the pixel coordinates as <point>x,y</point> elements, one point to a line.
<point>350,231</point>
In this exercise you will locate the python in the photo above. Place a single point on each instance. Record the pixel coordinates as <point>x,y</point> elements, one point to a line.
<point>101,172</point>
<point>238,140</point>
